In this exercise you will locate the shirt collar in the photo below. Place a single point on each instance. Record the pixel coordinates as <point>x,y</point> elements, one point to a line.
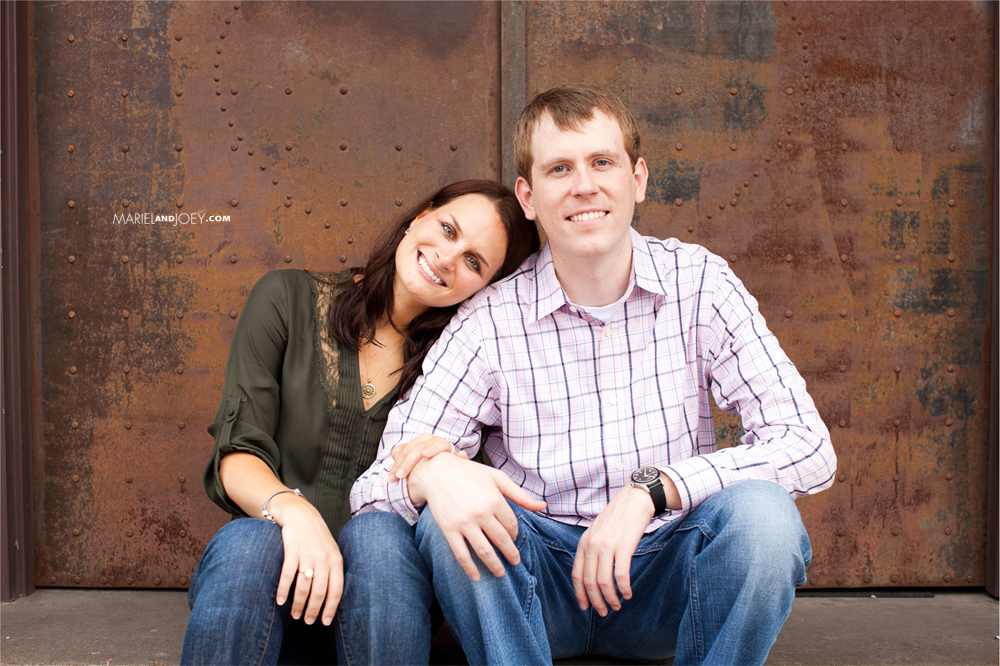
<point>549,295</point>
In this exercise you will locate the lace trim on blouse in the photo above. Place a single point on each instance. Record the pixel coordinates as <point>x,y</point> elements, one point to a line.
<point>328,351</point>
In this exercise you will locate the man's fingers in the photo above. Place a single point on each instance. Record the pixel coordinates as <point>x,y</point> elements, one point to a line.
<point>623,563</point>
<point>606,580</point>
<point>461,552</point>
<point>500,535</point>
<point>516,493</point>
<point>577,576</point>
<point>590,586</point>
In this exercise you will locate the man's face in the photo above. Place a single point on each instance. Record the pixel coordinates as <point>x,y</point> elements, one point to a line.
<point>583,190</point>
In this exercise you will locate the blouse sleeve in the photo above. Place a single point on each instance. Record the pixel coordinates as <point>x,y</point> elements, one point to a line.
<point>248,415</point>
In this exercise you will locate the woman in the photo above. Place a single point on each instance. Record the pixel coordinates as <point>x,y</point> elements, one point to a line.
<point>315,365</point>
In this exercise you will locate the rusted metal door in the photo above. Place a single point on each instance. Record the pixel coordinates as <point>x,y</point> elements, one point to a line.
<point>277,135</point>
<point>839,155</point>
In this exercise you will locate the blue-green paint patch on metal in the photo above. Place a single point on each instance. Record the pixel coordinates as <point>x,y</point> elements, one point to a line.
<point>939,396</point>
<point>898,229</point>
<point>672,180</point>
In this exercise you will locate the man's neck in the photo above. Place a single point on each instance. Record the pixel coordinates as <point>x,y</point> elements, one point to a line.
<point>594,282</point>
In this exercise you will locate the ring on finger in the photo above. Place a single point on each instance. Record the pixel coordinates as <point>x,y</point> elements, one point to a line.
<point>308,574</point>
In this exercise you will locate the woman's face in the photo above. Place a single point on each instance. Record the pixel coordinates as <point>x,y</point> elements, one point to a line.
<point>451,252</point>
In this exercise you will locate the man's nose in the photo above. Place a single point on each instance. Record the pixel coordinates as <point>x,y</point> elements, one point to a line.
<point>584,182</point>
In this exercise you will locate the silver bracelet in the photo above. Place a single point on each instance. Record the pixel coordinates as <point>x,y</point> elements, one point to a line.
<point>267,514</point>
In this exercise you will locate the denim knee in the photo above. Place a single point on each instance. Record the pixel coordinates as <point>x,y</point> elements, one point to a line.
<point>242,561</point>
<point>376,543</point>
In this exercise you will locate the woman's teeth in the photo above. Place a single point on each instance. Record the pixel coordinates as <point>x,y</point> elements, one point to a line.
<point>586,217</point>
<point>427,269</point>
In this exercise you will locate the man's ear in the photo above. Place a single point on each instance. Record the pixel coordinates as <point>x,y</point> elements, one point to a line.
<point>641,176</point>
<point>523,191</point>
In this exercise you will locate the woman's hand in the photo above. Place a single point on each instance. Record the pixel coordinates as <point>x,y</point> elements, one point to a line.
<point>406,456</point>
<point>308,546</point>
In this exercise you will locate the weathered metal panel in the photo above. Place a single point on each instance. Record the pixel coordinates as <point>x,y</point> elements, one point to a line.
<point>840,156</point>
<point>308,125</point>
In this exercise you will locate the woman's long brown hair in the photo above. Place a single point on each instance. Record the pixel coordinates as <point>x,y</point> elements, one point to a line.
<point>356,311</point>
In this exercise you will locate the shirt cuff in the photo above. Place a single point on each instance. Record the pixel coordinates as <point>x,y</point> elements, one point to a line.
<point>696,481</point>
<point>399,500</point>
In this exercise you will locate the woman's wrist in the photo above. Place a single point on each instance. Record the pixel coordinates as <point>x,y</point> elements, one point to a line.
<point>282,507</point>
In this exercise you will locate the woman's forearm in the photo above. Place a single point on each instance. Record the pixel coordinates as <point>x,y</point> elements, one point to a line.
<point>249,482</point>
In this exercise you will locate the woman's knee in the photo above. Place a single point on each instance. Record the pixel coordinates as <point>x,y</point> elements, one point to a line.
<point>243,558</point>
<point>377,541</point>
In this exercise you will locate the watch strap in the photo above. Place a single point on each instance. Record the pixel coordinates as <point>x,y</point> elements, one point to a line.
<point>659,497</point>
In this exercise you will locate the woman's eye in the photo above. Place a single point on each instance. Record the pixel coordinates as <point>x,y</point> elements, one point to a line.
<point>449,231</point>
<point>474,264</point>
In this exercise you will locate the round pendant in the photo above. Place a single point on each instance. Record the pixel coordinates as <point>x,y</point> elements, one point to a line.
<point>368,391</point>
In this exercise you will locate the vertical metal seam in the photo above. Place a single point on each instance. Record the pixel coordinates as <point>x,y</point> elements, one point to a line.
<point>513,80</point>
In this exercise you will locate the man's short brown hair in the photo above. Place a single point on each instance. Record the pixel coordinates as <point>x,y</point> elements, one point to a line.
<point>570,106</point>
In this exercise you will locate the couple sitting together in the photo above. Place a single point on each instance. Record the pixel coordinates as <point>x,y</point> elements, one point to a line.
<point>604,521</point>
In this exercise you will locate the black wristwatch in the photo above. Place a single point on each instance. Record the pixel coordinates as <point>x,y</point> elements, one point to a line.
<point>648,478</point>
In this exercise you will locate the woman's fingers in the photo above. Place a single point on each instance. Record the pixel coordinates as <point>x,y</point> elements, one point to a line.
<point>334,590</point>
<point>406,456</point>
<point>317,595</point>
<point>289,569</point>
<point>303,583</point>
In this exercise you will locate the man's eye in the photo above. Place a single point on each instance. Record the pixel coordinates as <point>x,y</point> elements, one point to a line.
<point>559,169</point>
<point>449,231</point>
<point>473,263</point>
<point>603,162</point>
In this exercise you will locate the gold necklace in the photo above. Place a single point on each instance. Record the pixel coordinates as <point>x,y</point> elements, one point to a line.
<point>367,389</point>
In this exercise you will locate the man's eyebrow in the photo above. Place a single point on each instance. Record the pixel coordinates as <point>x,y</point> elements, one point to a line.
<point>458,228</point>
<point>608,152</point>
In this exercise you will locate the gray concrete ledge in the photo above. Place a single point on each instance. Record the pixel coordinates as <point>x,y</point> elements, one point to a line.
<point>146,627</point>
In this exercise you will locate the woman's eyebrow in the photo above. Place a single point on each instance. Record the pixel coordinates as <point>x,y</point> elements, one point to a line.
<point>458,228</point>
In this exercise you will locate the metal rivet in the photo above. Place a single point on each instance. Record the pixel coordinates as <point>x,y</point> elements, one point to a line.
<point>951,147</point>
<point>842,478</point>
<point>952,92</point>
<point>263,167</point>
<point>76,532</point>
<point>843,423</point>
<point>288,204</point>
<point>104,580</point>
<point>691,229</point>
<point>947,578</point>
<point>951,202</point>
<point>678,90</point>
<point>52,579</point>
<point>128,479</point>
<point>71,203</point>
<point>233,91</point>
<point>183,533</point>
<point>223,109</point>
<point>399,202</point>
<point>222,35</point>
<point>899,36</point>
<point>951,368</point>
<point>841,532</point>
<point>179,369</point>
<point>128,581</point>
<point>951,258</point>
<point>454,146</point>
<point>722,206</point>
<point>897,312</point>
<point>127,369</point>
<point>788,132</point>
<point>840,581</point>
<point>678,146</point>
<point>947,530</point>
<point>949,422</point>
<point>788,202</point>
<point>70,93</point>
<point>183,579</point>
<point>180,314</point>
<point>76,579</point>
<point>843,146</point>
<point>788,314</point>
<point>74,425</point>
<point>126,203</point>
<point>952,36</point>
<point>951,313</point>
<point>288,91</point>
<point>71,314</point>
<point>899,202</point>
<point>70,148</point>
<point>898,257</point>
<point>70,38</point>
<point>234,203</point>
<point>733,201</point>
<point>326,224</point>
<point>948,476</point>
<point>767,159</point>
<point>843,202</point>
<point>805,59</point>
<point>231,123</point>
<point>236,7</point>
<point>234,147</point>
<point>843,367</point>
<point>898,368</point>
<point>216,65</point>
<point>895,531</point>
<point>678,201</point>
<point>75,478</point>
<point>732,258</point>
<point>789,146</point>
<point>228,21</point>
<point>789,90</point>
<point>843,313</point>
<point>343,146</point>
<point>125,314</point>
<point>232,314</point>
<point>308,211</point>
<point>178,37</point>
<point>746,183</point>
<point>219,51</point>
<point>343,91</point>
<point>789,258</point>
<point>128,426</point>
<point>343,258</point>
<point>733,146</point>
<point>894,578</point>
<point>288,196</point>
<point>399,147</point>
<point>180,425</point>
<point>899,93</point>
<point>288,258</point>
<point>756,173</point>
<point>350,240</point>
<point>733,91</point>
<point>897,422</point>
<point>128,533</point>
<point>343,202</point>
<point>124,93</point>
<point>969,578</point>
<point>178,147</point>
<point>921,578</point>
<point>895,477</point>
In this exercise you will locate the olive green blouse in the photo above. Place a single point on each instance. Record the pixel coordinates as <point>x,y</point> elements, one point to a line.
<point>292,397</point>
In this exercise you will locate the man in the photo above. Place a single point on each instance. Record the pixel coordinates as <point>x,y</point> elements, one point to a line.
<point>610,524</point>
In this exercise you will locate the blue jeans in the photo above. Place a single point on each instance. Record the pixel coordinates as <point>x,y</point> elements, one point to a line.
<point>712,588</point>
<point>234,618</point>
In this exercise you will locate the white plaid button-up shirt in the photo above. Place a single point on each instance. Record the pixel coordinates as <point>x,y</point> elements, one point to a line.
<point>581,403</point>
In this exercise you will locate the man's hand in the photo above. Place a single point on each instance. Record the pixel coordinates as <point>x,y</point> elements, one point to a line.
<point>468,501</point>
<point>604,553</point>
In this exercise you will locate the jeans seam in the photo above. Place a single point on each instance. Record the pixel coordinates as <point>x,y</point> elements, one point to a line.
<point>267,639</point>
<point>344,642</point>
<point>695,619</point>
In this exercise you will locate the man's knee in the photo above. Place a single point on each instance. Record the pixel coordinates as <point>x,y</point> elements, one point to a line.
<point>763,516</point>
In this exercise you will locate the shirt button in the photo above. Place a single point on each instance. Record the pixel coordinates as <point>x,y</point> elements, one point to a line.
<point>607,331</point>
<point>619,465</point>
<point>409,515</point>
<point>573,309</point>
<point>613,399</point>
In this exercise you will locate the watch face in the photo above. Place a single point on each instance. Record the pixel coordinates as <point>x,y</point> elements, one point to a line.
<point>645,475</point>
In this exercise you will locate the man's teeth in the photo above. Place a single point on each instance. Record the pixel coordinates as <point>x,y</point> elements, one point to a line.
<point>586,217</point>
<point>427,269</point>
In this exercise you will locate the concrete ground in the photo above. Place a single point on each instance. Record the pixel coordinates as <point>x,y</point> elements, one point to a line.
<point>146,627</point>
